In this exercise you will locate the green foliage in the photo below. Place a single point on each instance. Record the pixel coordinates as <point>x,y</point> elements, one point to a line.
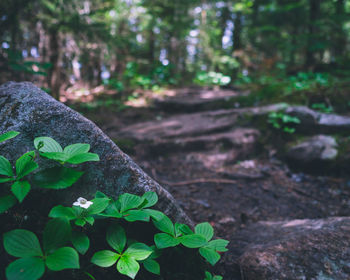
<point>212,78</point>
<point>209,276</point>
<point>280,120</point>
<point>71,225</point>
<point>322,108</point>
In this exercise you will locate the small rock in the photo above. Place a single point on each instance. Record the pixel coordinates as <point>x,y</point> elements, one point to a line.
<point>227,220</point>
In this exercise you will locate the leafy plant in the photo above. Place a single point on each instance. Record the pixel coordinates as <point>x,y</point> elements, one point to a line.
<point>209,276</point>
<point>283,121</point>
<point>71,225</point>
<point>322,108</point>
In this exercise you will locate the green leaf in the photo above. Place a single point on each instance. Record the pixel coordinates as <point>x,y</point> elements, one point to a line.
<point>136,215</point>
<point>128,266</point>
<point>155,214</point>
<point>56,234</point>
<point>63,258</point>
<point>76,149</point>
<point>165,225</point>
<point>81,158</point>
<point>99,204</point>
<point>5,167</point>
<point>210,255</point>
<point>151,197</point>
<point>56,178</point>
<point>26,164</point>
<point>47,145</point>
<point>6,202</point>
<point>205,229</point>
<point>164,240</point>
<point>193,240</point>
<point>218,245</point>
<point>20,189</point>
<point>57,156</point>
<point>22,243</point>
<point>116,237</point>
<point>152,266</point>
<point>129,201</point>
<point>80,222</point>
<point>80,242</point>
<point>217,277</point>
<point>105,258</point>
<point>138,251</point>
<point>30,268</point>
<point>208,276</point>
<point>100,195</point>
<point>90,220</point>
<point>62,212</point>
<point>4,180</point>
<point>8,135</point>
<point>182,229</point>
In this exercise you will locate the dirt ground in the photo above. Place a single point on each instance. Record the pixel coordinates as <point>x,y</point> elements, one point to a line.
<point>261,187</point>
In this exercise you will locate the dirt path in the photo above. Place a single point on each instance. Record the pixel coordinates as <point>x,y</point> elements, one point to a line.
<point>216,165</point>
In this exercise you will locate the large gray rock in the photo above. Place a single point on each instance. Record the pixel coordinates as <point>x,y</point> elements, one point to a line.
<point>313,121</point>
<point>29,110</point>
<point>297,249</point>
<point>316,148</point>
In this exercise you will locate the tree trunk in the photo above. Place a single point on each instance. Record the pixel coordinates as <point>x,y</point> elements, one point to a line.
<point>54,75</point>
<point>340,36</point>
<point>237,31</point>
<point>314,9</point>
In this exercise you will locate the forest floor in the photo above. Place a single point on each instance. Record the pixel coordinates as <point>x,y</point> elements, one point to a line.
<point>230,184</point>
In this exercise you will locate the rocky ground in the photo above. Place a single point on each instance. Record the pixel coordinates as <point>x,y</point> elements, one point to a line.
<point>270,193</point>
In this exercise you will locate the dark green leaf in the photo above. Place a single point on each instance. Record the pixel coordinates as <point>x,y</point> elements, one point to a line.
<point>5,167</point>
<point>8,135</point>
<point>56,234</point>
<point>116,237</point>
<point>105,258</point>
<point>80,222</point>
<point>4,180</point>
<point>90,220</point>
<point>63,258</point>
<point>164,240</point>
<point>62,212</point>
<point>20,189</point>
<point>128,266</point>
<point>47,145</point>
<point>30,268</point>
<point>6,202</point>
<point>193,240</point>
<point>152,266</point>
<point>22,243</point>
<point>26,164</point>
<point>57,177</point>
<point>80,242</point>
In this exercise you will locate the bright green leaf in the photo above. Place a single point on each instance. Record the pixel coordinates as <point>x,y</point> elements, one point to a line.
<point>218,245</point>
<point>99,204</point>
<point>151,197</point>
<point>210,255</point>
<point>105,258</point>
<point>29,268</point>
<point>193,240</point>
<point>164,240</point>
<point>155,214</point>
<point>47,145</point>
<point>8,135</point>
<point>165,225</point>
<point>76,149</point>
<point>90,220</point>
<point>20,189</point>
<point>26,164</point>
<point>128,266</point>
<point>136,215</point>
<point>205,229</point>
<point>81,158</point>
<point>5,167</point>
<point>57,156</point>
<point>129,201</point>
<point>22,243</point>
<point>138,251</point>
<point>63,258</point>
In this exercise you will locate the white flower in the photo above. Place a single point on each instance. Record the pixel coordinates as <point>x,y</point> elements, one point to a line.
<point>82,202</point>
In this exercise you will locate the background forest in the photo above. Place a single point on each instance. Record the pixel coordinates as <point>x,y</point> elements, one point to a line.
<point>288,45</point>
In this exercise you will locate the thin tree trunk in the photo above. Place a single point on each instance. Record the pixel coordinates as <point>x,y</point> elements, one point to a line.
<point>237,31</point>
<point>54,75</point>
<point>314,9</point>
